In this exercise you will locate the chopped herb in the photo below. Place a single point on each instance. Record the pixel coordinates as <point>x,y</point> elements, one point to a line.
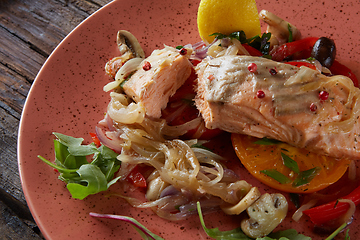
<point>179,47</point>
<point>267,141</point>
<point>197,145</point>
<point>310,59</point>
<point>258,42</point>
<point>295,199</point>
<point>276,175</point>
<point>290,163</point>
<point>290,33</point>
<point>305,177</point>
<point>126,79</point>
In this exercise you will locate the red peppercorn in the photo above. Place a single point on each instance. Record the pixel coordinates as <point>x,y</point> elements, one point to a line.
<point>260,94</point>
<point>273,71</point>
<point>252,67</point>
<point>211,77</point>
<point>313,107</point>
<point>183,51</point>
<point>146,66</point>
<point>323,95</point>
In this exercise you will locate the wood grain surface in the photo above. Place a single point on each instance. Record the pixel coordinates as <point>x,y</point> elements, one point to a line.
<point>29,32</point>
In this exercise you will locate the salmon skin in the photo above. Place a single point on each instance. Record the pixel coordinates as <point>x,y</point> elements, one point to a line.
<point>299,106</point>
<point>154,83</point>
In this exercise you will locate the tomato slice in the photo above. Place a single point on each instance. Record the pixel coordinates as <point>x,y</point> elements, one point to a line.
<point>136,178</point>
<point>256,158</point>
<point>95,139</point>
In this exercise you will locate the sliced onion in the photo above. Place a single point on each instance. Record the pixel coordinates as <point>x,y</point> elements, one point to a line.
<point>125,70</point>
<point>168,191</point>
<point>129,67</point>
<point>350,212</point>
<point>132,113</point>
<point>175,131</point>
<point>112,144</point>
<point>299,212</point>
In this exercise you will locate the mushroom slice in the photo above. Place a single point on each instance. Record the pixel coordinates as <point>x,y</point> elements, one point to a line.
<point>244,203</point>
<point>265,215</point>
<point>278,28</point>
<point>128,43</point>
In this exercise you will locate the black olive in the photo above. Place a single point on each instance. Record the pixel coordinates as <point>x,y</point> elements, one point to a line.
<point>324,51</point>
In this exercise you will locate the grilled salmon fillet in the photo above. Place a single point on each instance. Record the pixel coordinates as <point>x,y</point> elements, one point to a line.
<point>158,78</point>
<point>299,106</point>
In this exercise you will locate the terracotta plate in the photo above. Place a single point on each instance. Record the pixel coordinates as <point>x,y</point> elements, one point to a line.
<point>67,97</point>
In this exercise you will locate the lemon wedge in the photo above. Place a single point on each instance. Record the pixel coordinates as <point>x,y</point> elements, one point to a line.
<point>227,16</point>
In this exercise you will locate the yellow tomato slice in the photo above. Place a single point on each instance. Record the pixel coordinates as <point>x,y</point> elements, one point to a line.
<point>263,160</point>
<point>227,16</point>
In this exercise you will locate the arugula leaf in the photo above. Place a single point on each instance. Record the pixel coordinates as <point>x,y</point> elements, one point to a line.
<point>286,234</point>
<point>83,178</point>
<point>290,163</point>
<point>91,181</point>
<point>267,141</point>
<point>236,233</point>
<point>276,175</point>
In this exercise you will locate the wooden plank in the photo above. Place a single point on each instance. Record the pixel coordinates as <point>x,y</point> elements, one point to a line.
<point>12,227</point>
<point>29,31</point>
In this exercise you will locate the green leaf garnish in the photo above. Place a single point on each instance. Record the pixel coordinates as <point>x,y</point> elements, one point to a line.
<point>305,177</point>
<point>198,145</point>
<point>83,178</point>
<point>258,42</point>
<point>236,233</point>
<point>276,175</point>
<point>267,141</point>
<point>290,33</point>
<point>295,199</point>
<point>290,163</point>
<point>179,47</point>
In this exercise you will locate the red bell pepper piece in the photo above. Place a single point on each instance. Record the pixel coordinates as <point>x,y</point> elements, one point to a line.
<point>288,49</point>
<point>329,211</point>
<point>95,139</point>
<point>252,51</point>
<point>136,178</point>
<point>340,69</point>
<point>301,63</point>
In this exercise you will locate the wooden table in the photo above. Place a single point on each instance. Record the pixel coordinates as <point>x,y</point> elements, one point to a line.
<point>29,31</point>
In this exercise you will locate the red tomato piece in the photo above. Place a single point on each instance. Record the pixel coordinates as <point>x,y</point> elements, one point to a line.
<point>95,139</point>
<point>136,178</point>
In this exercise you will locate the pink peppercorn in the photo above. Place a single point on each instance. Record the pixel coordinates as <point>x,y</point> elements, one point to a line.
<point>146,66</point>
<point>260,94</point>
<point>273,71</point>
<point>313,107</point>
<point>323,95</point>
<point>252,67</point>
<point>183,51</point>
